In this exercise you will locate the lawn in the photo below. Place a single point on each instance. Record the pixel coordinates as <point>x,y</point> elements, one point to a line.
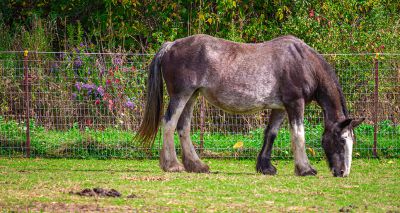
<point>233,185</point>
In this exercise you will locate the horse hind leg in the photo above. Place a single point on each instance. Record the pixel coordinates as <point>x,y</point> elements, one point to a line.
<point>295,112</point>
<point>191,161</point>
<point>264,165</point>
<point>168,160</point>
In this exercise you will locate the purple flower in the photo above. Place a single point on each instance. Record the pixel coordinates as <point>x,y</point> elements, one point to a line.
<point>81,44</point>
<point>100,90</point>
<point>89,87</point>
<point>78,86</point>
<point>78,63</point>
<point>73,96</point>
<point>129,104</point>
<point>117,61</point>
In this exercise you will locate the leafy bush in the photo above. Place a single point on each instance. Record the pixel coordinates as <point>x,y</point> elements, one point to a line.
<point>140,26</point>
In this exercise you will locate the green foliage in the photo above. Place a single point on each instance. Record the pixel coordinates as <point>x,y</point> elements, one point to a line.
<point>140,26</point>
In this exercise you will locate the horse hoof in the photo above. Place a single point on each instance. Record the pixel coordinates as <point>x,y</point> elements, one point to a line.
<point>270,170</point>
<point>174,168</point>
<point>265,167</point>
<point>196,167</point>
<point>308,171</point>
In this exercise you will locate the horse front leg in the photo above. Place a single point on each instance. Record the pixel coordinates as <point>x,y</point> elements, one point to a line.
<point>190,159</point>
<point>295,111</point>
<point>264,165</point>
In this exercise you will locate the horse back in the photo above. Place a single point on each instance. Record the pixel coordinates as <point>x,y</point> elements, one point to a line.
<point>229,73</point>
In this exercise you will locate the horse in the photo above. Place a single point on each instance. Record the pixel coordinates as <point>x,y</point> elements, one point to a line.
<point>283,74</point>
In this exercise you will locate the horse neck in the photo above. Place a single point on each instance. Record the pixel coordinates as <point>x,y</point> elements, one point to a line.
<point>330,98</point>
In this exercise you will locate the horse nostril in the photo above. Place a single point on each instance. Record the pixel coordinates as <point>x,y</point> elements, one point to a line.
<point>341,172</point>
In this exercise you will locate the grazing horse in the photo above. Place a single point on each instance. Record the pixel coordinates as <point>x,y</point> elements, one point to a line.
<point>283,74</point>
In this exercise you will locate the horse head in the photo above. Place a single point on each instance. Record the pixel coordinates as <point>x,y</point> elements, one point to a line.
<point>337,141</point>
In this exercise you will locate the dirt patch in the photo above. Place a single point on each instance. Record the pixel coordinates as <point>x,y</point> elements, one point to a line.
<point>348,208</point>
<point>132,196</point>
<point>97,192</point>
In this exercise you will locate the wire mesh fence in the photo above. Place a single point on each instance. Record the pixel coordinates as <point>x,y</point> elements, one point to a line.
<point>90,105</point>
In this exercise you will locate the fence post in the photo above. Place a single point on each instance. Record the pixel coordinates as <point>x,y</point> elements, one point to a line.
<point>202,124</point>
<point>376,103</point>
<point>27,114</point>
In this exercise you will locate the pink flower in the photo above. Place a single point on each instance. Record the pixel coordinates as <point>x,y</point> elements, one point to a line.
<point>100,90</point>
<point>110,104</point>
<point>311,13</point>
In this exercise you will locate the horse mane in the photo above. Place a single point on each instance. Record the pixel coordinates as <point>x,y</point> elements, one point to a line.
<point>331,72</point>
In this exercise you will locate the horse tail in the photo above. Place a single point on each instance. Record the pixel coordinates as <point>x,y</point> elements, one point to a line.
<point>154,100</point>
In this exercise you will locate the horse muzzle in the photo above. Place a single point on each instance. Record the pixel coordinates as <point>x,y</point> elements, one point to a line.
<point>340,173</point>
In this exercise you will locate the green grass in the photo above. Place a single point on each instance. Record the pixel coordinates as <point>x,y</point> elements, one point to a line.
<point>233,185</point>
<point>112,142</point>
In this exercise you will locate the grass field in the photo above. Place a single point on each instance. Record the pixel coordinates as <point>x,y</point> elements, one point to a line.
<point>233,185</point>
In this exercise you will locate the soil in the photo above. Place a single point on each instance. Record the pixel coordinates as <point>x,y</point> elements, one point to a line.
<point>132,196</point>
<point>97,192</point>
<point>348,208</point>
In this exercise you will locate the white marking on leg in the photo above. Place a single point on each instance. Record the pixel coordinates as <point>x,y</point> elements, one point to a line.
<point>168,153</point>
<point>348,150</point>
<point>298,144</point>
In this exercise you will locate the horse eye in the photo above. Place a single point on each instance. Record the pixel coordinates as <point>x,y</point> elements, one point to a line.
<point>342,141</point>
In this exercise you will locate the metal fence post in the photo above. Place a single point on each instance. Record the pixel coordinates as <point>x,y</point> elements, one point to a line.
<point>376,103</point>
<point>27,114</point>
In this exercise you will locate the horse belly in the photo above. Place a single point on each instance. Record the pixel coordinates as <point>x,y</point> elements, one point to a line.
<point>243,100</point>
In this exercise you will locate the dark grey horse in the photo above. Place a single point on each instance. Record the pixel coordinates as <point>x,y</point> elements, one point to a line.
<point>283,74</point>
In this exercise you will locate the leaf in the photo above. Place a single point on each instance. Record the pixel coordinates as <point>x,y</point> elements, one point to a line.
<point>238,145</point>
<point>311,151</point>
<point>279,14</point>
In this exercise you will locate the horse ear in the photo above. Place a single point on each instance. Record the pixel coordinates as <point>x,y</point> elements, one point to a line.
<point>343,124</point>
<point>355,123</point>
